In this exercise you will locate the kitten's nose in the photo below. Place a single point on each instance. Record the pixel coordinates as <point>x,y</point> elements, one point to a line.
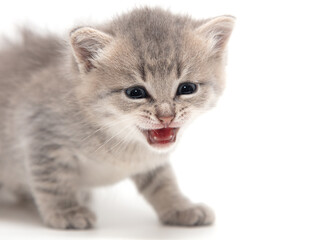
<point>166,120</point>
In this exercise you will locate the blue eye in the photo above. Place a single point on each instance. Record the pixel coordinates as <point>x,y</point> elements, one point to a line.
<point>136,92</point>
<point>186,88</point>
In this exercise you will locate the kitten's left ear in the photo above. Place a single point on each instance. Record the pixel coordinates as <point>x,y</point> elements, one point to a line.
<point>217,32</point>
<point>88,44</point>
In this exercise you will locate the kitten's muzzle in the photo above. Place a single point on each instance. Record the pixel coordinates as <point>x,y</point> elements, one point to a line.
<point>166,121</point>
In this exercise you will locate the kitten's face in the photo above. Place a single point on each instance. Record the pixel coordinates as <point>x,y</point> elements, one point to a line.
<point>148,91</point>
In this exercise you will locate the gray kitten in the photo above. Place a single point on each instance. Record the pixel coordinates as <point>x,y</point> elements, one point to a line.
<point>109,105</point>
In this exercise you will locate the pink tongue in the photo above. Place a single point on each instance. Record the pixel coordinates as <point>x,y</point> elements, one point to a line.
<point>161,135</point>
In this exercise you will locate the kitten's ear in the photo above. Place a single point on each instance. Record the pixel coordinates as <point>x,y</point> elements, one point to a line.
<point>217,32</point>
<point>87,44</point>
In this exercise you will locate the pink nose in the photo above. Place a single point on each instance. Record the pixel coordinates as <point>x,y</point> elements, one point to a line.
<point>166,120</point>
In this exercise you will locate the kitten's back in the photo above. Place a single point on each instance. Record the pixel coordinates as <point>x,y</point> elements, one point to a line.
<point>19,61</point>
<point>22,58</point>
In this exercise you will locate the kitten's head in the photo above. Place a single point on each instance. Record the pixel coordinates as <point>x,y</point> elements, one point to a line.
<point>148,73</point>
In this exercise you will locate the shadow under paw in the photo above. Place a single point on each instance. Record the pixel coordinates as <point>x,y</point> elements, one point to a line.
<point>77,218</point>
<point>196,215</point>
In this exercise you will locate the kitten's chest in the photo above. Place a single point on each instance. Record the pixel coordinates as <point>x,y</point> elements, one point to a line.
<point>105,168</point>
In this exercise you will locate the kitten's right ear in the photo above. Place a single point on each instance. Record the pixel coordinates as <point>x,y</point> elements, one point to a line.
<point>88,44</point>
<point>217,32</point>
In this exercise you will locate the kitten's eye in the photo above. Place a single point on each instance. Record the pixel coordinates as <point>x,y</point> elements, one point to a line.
<point>136,92</point>
<point>186,88</point>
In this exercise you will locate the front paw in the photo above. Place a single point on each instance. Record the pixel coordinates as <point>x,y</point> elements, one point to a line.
<point>195,215</point>
<point>76,218</point>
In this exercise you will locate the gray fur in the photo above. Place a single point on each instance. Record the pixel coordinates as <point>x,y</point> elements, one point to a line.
<point>66,124</point>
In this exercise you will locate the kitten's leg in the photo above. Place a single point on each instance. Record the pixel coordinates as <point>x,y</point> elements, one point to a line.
<point>160,189</point>
<point>53,173</point>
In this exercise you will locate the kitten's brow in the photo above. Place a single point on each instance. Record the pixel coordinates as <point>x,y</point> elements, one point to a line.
<point>103,95</point>
<point>179,69</point>
<point>142,70</point>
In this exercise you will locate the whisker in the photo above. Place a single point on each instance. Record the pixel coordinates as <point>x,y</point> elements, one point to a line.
<point>104,127</point>
<point>90,135</point>
<point>122,141</point>
<point>108,140</point>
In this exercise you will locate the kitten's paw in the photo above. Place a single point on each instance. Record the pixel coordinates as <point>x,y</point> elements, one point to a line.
<point>196,215</point>
<point>76,218</point>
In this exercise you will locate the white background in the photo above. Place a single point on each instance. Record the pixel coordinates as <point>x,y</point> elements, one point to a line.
<point>257,159</point>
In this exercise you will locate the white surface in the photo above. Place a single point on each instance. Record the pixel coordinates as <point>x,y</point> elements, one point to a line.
<point>259,155</point>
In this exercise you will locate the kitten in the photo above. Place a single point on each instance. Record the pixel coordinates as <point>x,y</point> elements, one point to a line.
<point>109,105</point>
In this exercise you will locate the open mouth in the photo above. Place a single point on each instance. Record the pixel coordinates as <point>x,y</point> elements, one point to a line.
<point>162,137</point>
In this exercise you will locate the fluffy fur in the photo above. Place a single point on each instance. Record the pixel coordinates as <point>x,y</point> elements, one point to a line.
<point>66,124</point>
